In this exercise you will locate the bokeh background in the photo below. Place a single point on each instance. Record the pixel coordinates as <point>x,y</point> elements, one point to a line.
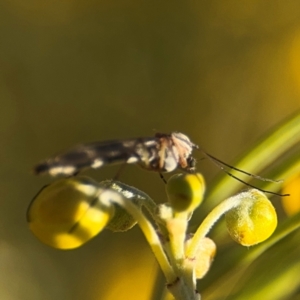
<point>222,72</point>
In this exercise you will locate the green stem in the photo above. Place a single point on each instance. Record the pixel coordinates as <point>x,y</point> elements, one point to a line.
<point>210,220</point>
<point>177,228</point>
<point>147,228</point>
<point>177,231</point>
<point>136,196</point>
<point>180,286</point>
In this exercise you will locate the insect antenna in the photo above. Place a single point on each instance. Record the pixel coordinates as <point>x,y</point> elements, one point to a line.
<point>242,171</point>
<point>222,166</point>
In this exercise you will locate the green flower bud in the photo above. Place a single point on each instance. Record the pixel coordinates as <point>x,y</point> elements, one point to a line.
<point>67,213</point>
<point>253,221</point>
<point>122,220</point>
<point>185,191</point>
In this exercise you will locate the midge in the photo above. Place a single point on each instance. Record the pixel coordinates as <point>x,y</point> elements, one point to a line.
<point>162,153</point>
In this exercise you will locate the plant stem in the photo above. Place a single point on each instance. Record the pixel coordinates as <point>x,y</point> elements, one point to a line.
<point>147,228</point>
<point>210,220</point>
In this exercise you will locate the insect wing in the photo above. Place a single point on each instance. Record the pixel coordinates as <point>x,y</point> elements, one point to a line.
<point>97,154</point>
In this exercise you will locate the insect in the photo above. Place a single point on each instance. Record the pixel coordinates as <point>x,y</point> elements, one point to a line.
<point>162,153</point>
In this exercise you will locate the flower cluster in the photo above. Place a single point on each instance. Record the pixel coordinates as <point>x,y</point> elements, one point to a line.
<point>69,212</point>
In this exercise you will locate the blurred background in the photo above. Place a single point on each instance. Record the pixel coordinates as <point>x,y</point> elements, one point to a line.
<point>223,72</point>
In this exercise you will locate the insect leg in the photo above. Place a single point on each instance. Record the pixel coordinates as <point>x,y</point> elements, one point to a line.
<point>162,177</point>
<point>120,170</point>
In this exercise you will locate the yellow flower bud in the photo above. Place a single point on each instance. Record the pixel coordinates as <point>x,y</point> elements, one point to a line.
<point>253,221</point>
<point>185,191</point>
<point>67,213</point>
<point>205,254</point>
<point>291,204</point>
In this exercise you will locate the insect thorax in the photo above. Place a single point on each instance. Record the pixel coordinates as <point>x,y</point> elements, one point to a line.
<point>169,152</point>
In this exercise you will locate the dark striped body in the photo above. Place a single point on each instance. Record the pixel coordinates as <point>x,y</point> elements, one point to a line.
<point>161,153</point>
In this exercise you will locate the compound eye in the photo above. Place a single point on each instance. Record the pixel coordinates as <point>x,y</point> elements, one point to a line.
<point>191,164</point>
